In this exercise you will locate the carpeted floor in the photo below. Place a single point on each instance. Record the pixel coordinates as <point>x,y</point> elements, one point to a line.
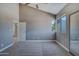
<point>36,49</point>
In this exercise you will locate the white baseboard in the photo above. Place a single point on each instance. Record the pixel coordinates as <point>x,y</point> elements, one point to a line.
<point>40,40</point>
<point>62,46</point>
<point>6,47</point>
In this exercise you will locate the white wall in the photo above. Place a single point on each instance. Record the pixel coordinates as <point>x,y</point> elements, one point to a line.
<point>38,23</point>
<point>9,13</point>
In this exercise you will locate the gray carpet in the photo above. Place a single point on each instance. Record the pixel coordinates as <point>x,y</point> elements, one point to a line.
<point>36,49</point>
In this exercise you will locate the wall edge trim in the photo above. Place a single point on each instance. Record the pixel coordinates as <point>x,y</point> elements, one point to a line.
<point>62,46</point>
<point>40,40</point>
<point>6,47</point>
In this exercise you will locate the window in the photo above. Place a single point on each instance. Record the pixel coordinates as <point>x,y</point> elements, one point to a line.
<point>53,25</point>
<point>63,24</point>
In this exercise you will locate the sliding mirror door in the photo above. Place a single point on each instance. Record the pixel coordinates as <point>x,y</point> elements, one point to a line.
<point>74,33</point>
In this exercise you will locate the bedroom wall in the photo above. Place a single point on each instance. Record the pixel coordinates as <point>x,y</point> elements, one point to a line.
<point>9,13</point>
<point>38,23</point>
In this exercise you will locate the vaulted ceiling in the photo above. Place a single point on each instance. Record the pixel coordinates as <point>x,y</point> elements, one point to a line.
<point>53,8</point>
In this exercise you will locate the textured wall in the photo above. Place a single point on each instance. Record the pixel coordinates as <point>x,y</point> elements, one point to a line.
<point>38,23</point>
<point>9,13</point>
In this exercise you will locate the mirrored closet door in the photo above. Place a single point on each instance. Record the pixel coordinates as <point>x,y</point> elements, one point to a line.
<point>74,33</point>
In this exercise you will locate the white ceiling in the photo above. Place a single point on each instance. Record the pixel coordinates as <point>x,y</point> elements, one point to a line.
<point>53,8</point>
